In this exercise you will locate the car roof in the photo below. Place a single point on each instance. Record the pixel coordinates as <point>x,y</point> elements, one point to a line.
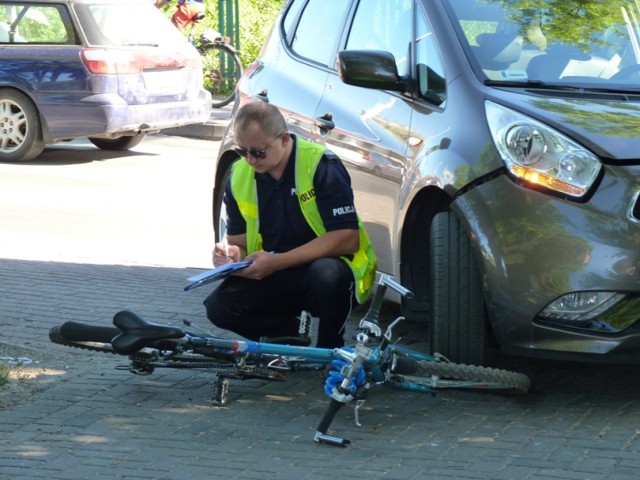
<point>71,2</point>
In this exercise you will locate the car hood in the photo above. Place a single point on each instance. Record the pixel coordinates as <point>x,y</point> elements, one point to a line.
<point>606,124</point>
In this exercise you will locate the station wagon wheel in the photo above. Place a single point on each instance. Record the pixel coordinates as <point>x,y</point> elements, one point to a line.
<point>20,128</point>
<point>124,142</point>
<point>458,325</point>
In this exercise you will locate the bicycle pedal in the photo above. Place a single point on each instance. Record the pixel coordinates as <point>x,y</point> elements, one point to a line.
<point>219,392</point>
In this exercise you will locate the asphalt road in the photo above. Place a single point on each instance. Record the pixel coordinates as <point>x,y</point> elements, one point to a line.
<point>85,233</point>
<point>149,206</point>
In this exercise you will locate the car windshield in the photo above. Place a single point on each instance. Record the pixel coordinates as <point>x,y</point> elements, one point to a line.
<point>586,44</point>
<point>127,24</point>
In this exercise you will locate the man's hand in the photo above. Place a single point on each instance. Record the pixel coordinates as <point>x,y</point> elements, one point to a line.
<point>223,254</point>
<point>264,264</point>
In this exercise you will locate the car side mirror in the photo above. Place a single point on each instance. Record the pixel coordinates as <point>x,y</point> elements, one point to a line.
<point>370,69</point>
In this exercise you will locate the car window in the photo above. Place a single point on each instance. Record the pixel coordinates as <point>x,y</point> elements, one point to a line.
<point>20,23</point>
<point>319,30</point>
<point>383,25</point>
<point>118,24</point>
<point>430,71</point>
<point>587,44</point>
<point>290,17</point>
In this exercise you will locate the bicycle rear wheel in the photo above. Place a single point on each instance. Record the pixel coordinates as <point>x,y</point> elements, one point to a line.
<point>444,374</point>
<point>221,69</point>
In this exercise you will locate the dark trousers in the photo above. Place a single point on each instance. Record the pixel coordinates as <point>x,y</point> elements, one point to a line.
<point>270,307</point>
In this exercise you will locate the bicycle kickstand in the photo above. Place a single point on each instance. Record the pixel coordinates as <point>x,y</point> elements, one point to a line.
<point>360,400</point>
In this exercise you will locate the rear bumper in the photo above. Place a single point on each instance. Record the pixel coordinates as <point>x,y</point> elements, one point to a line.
<point>120,118</point>
<point>110,115</point>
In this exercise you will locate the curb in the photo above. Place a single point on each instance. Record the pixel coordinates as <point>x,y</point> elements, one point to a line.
<point>213,129</point>
<point>204,131</point>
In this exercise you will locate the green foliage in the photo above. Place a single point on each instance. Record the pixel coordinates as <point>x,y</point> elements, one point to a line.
<point>256,19</point>
<point>4,374</point>
<point>39,23</point>
<point>570,22</point>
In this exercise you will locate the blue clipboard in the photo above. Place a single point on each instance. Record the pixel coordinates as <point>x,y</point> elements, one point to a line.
<point>216,274</point>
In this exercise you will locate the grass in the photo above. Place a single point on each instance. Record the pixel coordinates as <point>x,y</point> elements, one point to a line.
<point>4,374</point>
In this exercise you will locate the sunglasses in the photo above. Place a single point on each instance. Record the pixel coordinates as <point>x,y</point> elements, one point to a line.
<point>255,153</point>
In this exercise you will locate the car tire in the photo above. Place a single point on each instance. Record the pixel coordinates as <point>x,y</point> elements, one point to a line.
<point>219,212</point>
<point>458,321</point>
<point>120,143</point>
<point>20,127</point>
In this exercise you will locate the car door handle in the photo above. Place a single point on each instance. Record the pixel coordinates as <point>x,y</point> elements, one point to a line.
<point>325,122</point>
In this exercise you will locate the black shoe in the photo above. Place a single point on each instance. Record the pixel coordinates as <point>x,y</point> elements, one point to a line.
<point>293,341</point>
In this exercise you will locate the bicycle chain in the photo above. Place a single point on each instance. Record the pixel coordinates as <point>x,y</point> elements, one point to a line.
<point>228,370</point>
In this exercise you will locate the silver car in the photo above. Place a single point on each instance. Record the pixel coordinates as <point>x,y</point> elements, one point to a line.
<point>494,150</point>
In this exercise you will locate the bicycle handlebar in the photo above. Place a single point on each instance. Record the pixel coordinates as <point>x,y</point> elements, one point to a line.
<point>388,281</point>
<point>373,314</point>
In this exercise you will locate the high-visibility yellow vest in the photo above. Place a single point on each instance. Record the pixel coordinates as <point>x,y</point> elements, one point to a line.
<point>308,155</point>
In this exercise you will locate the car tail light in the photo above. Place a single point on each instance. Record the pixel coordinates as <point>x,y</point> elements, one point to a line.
<point>125,61</point>
<point>250,70</point>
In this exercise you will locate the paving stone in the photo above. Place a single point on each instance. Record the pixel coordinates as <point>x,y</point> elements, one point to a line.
<point>88,420</point>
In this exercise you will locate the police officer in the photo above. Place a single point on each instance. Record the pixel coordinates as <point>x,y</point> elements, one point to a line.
<point>290,210</point>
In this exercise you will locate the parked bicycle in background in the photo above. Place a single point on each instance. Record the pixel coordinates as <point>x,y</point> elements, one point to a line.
<point>221,65</point>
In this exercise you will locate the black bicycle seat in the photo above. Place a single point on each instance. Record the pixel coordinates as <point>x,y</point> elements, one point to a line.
<point>138,332</point>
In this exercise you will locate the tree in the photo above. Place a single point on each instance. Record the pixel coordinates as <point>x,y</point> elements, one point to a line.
<point>256,18</point>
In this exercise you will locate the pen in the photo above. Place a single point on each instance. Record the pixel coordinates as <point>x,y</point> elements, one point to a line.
<point>225,243</point>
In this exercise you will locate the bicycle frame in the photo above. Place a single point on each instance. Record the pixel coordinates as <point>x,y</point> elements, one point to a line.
<point>240,347</point>
<point>150,345</point>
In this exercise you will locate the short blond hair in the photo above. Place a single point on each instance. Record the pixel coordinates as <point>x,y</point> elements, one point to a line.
<point>264,114</point>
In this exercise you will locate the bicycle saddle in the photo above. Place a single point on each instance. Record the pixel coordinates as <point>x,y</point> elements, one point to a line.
<point>138,332</point>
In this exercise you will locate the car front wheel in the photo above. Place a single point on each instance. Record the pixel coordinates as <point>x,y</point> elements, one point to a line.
<point>119,143</point>
<point>219,210</point>
<point>20,128</point>
<point>458,326</point>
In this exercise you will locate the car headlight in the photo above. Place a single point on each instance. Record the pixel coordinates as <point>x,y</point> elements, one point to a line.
<point>597,311</point>
<point>580,306</point>
<point>540,155</point>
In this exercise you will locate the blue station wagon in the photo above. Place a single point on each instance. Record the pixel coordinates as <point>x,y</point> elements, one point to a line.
<point>107,70</point>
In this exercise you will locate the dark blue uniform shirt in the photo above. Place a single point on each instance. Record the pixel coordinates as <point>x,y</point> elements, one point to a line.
<point>282,225</point>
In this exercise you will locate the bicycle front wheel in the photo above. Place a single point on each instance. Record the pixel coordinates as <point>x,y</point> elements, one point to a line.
<point>441,374</point>
<point>221,69</point>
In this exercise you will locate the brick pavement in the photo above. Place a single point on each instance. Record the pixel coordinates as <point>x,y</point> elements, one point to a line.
<point>88,420</point>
